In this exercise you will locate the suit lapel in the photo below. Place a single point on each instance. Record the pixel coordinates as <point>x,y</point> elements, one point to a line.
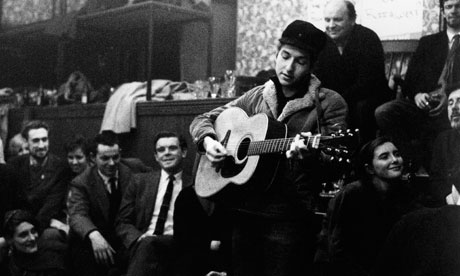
<point>151,182</point>
<point>100,193</point>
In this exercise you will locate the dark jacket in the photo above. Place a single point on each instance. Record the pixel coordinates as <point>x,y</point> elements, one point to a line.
<point>137,206</point>
<point>46,198</point>
<point>359,72</point>
<point>88,202</point>
<point>360,219</point>
<point>444,164</point>
<point>426,65</point>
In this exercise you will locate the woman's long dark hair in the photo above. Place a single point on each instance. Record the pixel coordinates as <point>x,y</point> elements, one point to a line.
<point>366,155</point>
<point>15,217</point>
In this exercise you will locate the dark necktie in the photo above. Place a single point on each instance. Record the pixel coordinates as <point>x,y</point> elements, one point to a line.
<point>114,198</point>
<point>451,71</point>
<point>163,215</point>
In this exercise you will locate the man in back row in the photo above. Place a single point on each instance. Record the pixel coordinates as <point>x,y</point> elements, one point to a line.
<point>422,116</point>
<point>352,63</point>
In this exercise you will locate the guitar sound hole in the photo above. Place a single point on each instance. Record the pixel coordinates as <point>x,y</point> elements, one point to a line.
<point>243,149</point>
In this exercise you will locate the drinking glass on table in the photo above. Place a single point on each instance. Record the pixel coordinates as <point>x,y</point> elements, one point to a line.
<point>214,83</point>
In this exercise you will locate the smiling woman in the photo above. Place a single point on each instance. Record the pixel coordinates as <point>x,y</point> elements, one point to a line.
<point>362,214</point>
<point>27,256</point>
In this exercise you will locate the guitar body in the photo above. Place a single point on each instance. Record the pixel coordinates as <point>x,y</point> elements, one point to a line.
<point>235,130</point>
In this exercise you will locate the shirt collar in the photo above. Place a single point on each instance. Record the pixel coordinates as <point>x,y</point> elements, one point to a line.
<point>33,162</point>
<point>450,35</point>
<point>165,176</point>
<point>106,178</point>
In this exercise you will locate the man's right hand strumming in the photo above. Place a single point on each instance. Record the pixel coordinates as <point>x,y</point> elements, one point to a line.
<point>215,151</point>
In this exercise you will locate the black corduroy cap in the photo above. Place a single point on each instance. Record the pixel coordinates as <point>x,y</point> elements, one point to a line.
<point>305,36</point>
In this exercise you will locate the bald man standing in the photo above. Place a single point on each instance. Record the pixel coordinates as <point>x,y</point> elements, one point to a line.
<point>352,63</point>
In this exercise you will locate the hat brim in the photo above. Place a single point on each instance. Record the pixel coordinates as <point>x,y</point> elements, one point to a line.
<point>297,43</point>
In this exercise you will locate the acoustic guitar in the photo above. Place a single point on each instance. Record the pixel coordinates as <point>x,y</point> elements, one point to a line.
<point>255,143</point>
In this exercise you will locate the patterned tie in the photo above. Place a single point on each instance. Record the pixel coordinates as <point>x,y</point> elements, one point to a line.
<point>451,71</point>
<point>160,226</point>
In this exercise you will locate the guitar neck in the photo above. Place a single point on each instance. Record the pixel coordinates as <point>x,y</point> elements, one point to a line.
<point>278,145</point>
<point>269,146</point>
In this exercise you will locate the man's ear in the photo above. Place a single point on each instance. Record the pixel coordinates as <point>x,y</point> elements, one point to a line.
<point>92,157</point>
<point>184,153</point>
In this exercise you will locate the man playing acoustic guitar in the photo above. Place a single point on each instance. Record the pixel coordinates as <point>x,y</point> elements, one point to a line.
<point>273,232</point>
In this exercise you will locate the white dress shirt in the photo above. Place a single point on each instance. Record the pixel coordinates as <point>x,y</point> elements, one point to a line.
<point>164,179</point>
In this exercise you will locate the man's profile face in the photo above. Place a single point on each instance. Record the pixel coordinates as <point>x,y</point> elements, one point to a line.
<point>453,109</point>
<point>292,65</point>
<point>451,13</point>
<point>169,154</point>
<point>338,22</point>
<point>107,159</point>
<point>38,143</point>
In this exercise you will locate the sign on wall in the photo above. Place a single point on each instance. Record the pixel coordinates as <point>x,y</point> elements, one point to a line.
<point>390,19</point>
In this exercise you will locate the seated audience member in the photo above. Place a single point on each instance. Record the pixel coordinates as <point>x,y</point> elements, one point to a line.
<point>362,214</point>
<point>205,247</point>
<point>352,63</point>
<point>446,150</point>
<point>43,178</point>
<point>17,146</point>
<point>77,155</point>
<point>425,242</point>
<point>93,202</point>
<point>145,220</point>
<point>416,121</point>
<point>28,255</point>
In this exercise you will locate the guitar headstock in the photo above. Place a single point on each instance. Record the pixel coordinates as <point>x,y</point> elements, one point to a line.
<point>341,145</point>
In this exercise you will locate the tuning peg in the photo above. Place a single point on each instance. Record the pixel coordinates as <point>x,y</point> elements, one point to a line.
<point>348,161</point>
<point>340,159</point>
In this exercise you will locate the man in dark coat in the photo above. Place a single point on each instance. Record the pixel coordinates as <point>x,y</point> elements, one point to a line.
<point>416,121</point>
<point>446,151</point>
<point>43,176</point>
<point>145,220</point>
<point>94,199</point>
<point>352,63</point>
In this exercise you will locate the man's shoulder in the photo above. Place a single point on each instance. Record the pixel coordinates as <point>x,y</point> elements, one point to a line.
<point>146,177</point>
<point>55,162</point>
<point>433,38</point>
<point>361,30</point>
<point>447,137</point>
<point>85,177</point>
<point>332,96</point>
<point>19,161</point>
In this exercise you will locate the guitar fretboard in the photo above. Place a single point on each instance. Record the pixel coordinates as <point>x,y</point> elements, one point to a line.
<point>277,145</point>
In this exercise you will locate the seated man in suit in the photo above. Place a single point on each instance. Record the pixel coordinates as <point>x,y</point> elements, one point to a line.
<point>43,180</point>
<point>446,150</point>
<point>145,219</point>
<point>94,199</point>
